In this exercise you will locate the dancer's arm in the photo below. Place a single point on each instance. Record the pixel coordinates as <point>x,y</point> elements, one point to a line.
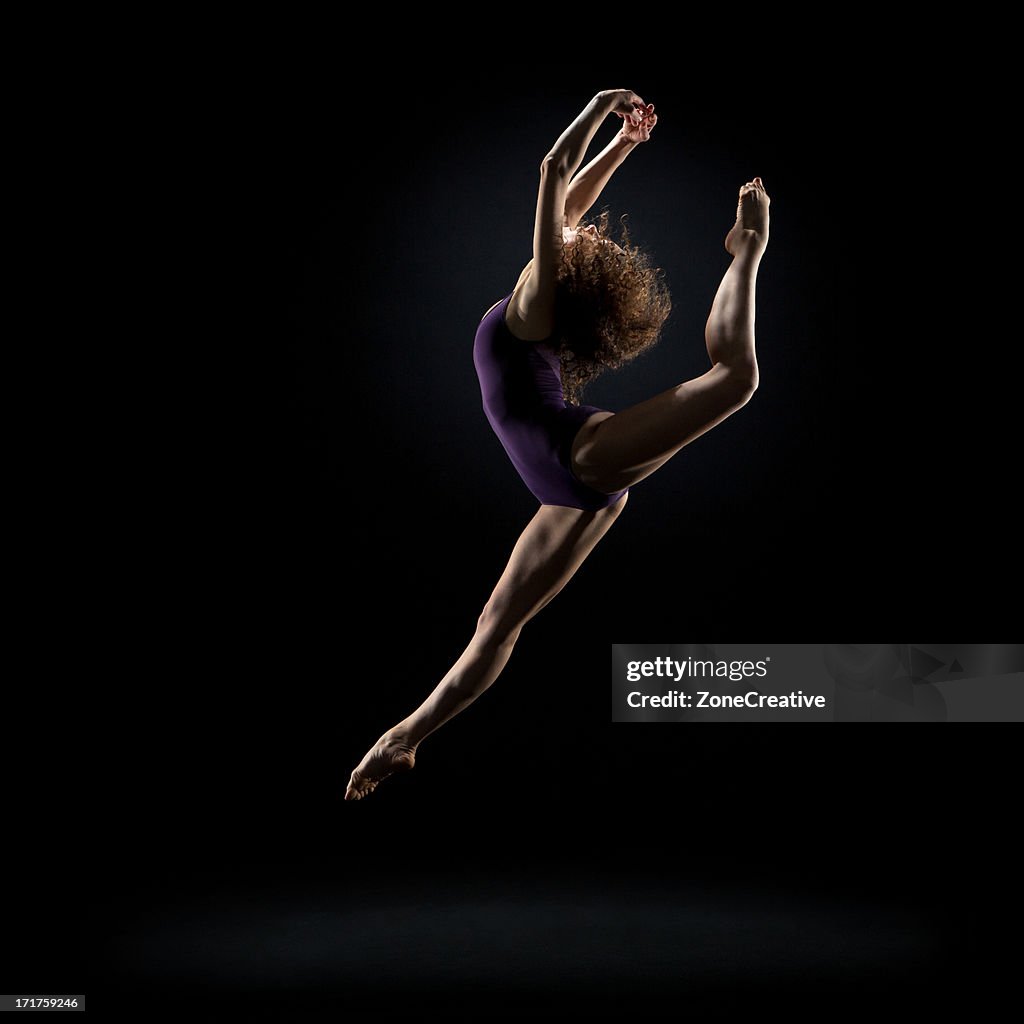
<point>533,307</point>
<point>588,185</point>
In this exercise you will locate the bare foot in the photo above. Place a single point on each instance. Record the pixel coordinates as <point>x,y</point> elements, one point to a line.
<point>750,232</point>
<point>388,755</point>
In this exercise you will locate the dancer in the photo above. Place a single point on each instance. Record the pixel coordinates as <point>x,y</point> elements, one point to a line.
<point>582,304</point>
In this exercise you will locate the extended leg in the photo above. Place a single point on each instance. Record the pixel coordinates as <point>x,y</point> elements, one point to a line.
<point>615,452</point>
<point>549,551</point>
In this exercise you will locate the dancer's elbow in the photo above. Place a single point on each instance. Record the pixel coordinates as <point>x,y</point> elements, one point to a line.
<point>555,165</point>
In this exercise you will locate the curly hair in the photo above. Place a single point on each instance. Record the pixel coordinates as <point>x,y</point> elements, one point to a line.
<point>610,306</point>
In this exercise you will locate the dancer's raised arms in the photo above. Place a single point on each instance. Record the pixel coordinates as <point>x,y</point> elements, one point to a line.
<point>532,310</point>
<point>585,189</point>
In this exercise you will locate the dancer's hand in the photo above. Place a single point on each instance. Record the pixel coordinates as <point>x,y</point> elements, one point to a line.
<point>637,127</point>
<point>626,102</point>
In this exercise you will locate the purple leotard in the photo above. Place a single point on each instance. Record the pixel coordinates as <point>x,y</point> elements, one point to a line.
<point>521,386</point>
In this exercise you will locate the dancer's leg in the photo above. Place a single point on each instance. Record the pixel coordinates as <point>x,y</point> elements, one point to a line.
<point>616,451</point>
<point>549,551</point>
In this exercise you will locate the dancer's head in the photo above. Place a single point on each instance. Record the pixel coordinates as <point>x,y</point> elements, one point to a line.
<point>611,305</point>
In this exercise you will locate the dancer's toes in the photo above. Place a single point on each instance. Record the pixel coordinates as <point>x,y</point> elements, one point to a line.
<point>390,754</point>
<point>750,232</point>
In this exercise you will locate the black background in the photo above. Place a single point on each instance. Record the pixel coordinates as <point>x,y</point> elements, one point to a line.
<point>322,511</point>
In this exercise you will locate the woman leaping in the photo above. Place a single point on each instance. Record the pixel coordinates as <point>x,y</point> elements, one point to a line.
<point>581,305</point>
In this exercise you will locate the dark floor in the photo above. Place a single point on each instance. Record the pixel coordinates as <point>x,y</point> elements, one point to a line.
<point>818,886</point>
<point>507,947</point>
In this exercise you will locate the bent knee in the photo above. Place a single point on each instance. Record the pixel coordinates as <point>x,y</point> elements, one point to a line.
<point>740,383</point>
<point>747,389</point>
